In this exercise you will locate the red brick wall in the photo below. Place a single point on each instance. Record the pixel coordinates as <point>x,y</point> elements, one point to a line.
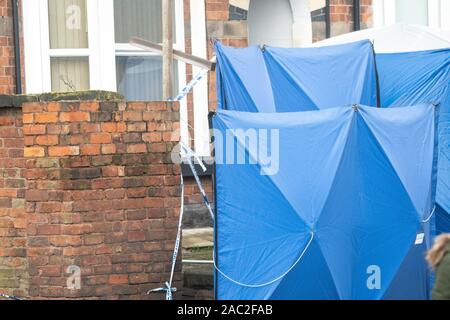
<point>101,193</point>
<point>13,222</point>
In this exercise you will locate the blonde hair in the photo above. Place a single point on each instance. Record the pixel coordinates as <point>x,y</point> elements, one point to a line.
<point>439,250</point>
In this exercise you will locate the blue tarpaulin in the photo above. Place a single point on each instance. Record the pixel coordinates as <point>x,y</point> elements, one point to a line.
<point>423,77</point>
<point>278,80</point>
<point>273,80</point>
<point>331,204</point>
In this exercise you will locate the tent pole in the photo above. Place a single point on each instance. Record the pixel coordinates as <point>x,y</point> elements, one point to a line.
<point>377,78</point>
<point>211,114</point>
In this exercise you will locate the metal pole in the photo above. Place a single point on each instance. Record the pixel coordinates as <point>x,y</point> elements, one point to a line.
<point>167,54</point>
<point>356,15</point>
<point>327,19</point>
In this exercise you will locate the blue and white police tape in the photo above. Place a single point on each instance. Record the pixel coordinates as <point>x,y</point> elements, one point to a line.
<point>190,85</point>
<point>167,289</point>
<point>189,153</point>
<point>7,296</point>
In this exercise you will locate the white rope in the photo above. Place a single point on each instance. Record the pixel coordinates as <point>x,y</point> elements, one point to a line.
<point>271,281</point>
<point>431,214</point>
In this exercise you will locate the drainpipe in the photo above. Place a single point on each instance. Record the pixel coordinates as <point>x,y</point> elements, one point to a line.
<point>356,15</point>
<point>17,51</point>
<point>327,19</point>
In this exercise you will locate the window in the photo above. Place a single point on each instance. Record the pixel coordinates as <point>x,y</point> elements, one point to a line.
<point>412,11</point>
<point>74,45</point>
<point>139,74</point>
<point>67,22</point>
<point>433,13</point>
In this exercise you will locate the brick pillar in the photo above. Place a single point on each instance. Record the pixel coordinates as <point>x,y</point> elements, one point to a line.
<point>102,195</point>
<point>13,271</point>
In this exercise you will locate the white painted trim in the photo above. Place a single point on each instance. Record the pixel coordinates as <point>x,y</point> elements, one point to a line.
<point>445,14</point>
<point>58,53</point>
<point>95,76</point>
<point>45,46</point>
<point>378,13</point>
<point>434,15</point>
<point>389,12</point>
<point>32,46</point>
<point>104,48</point>
<point>179,29</point>
<point>200,92</point>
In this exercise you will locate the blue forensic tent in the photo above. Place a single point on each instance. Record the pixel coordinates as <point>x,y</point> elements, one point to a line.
<point>331,204</point>
<point>276,80</point>
<point>422,77</point>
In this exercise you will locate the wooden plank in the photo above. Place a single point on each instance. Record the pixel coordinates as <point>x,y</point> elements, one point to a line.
<point>178,55</point>
<point>167,49</point>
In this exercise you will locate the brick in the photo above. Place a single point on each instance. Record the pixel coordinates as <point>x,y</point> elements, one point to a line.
<point>136,236</point>
<point>137,148</point>
<point>63,151</point>
<point>100,138</point>
<point>137,127</point>
<point>76,116</point>
<point>132,137</point>
<point>34,152</point>
<point>27,118</point>
<point>132,116</point>
<point>152,137</point>
<point>46,117</point>
<point>91,106</point>
<point>36,195</point>
<point>32,107</point>
<point>136,106</point>
<point>48,229</point>
<point>53,106</point>
<point>90,149</point>
<point>109,126</point>
<point>34,129</point>
<point>118,279</point>
<point>108,148</point>
<point>47,140</point>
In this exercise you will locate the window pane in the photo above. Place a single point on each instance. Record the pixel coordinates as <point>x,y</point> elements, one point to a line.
<point>412,11</point>
<point>67,24</point>
<point>140,78</point>
<point>70,74</point>
<point>139,18</point>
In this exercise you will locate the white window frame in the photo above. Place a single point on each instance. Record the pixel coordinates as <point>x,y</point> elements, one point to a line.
<point>102,49</point>
<point>438,13</point>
